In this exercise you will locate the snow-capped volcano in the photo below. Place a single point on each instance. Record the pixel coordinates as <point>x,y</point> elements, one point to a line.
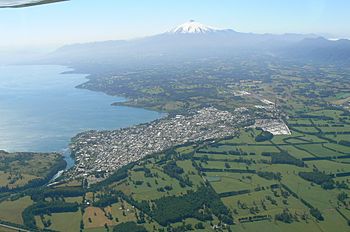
<point>191,39</point>
<point>192,27</point>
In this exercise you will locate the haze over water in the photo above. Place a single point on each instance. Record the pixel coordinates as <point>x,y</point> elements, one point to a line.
<point>40,109</point>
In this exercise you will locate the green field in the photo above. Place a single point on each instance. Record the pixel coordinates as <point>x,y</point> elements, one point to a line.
<point>11,210</point>
<point>246,195</point>
<point>297,182</point>
<point>18,169</point>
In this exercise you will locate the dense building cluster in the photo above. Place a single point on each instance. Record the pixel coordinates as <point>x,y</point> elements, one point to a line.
<point>105,151</point>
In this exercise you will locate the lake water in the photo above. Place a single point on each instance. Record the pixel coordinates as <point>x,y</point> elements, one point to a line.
<point>40,109</point>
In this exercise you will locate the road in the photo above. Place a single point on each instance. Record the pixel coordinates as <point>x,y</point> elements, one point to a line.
<point>13,228</point>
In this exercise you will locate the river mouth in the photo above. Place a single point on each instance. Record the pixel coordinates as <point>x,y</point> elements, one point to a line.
<point>68,158</point>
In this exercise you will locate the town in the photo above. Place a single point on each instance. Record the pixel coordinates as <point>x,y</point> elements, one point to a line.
<point>105,151</point>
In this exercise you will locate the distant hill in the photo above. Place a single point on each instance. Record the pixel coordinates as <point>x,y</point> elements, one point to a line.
<point>319,50</point>
<point>194,39</point>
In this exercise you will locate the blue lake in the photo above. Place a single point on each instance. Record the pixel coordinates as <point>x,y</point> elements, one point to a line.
<point>40,109</point>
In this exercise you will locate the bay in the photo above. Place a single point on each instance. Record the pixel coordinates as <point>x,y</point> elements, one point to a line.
<point>41,110</point>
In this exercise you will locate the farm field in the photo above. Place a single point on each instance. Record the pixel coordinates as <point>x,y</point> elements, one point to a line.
<point>9,210</point>
<point>259,188</point>
<point>19,169</point>
<point>254,180</point>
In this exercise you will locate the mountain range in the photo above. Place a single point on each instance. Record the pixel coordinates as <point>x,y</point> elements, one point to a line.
<point>193,39</point>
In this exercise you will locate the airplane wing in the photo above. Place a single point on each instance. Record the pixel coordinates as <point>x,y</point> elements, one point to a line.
<point>25,3</point>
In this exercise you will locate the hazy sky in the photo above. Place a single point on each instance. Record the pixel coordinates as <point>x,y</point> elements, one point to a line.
<point>92,20</point>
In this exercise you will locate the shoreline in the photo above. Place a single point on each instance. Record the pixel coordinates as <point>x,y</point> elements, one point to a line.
<point>65,152</point>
